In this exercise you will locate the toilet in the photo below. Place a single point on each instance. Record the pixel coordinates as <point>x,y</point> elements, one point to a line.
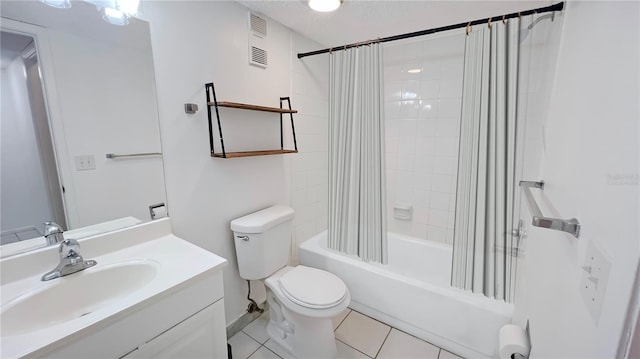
<point>302,300</point>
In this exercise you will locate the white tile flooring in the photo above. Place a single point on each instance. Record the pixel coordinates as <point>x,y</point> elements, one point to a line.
<point>19,236</point>
<point>357,336</point>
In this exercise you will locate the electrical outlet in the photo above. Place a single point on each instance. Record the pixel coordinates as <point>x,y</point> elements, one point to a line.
<point>86,162</point>
<point>594,279</point>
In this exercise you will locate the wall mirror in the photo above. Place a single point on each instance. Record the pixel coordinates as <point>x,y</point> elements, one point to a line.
<point>74,89</point>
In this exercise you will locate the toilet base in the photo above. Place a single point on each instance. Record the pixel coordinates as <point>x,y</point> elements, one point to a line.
<point>303,337</point>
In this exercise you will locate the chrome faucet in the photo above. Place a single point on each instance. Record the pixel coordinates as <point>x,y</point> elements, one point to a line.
<point>70,261</point>
<point>53,233</point>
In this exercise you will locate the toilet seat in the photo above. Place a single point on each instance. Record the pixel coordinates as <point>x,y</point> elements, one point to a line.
<point>312,288</point>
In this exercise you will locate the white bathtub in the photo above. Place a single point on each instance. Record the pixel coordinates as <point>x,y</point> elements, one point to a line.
<point>412,293</point>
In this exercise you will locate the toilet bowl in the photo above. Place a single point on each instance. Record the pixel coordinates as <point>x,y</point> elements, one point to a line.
<point>302,300</point>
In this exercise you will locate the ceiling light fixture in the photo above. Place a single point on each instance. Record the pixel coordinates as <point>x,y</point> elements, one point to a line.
<point>115,12</point>
<point>60,4</point>
<point>118,12</point>
<point>114,16</point>
<point>324,5</point>
<point>414,71</point>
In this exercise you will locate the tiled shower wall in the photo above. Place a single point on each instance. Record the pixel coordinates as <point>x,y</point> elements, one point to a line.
<point>423,90</point>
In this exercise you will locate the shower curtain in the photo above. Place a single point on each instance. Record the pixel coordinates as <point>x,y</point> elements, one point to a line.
<point>357,208</point>
<point>486,166</point>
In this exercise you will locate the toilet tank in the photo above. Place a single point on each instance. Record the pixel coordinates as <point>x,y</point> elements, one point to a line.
<point>262,241</point>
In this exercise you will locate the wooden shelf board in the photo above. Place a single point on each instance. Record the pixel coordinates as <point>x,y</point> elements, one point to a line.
<point>244,106</point>
<point>253,153</point>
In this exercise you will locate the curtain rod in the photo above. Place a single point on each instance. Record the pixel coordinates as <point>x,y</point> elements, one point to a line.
<point>556,7</point>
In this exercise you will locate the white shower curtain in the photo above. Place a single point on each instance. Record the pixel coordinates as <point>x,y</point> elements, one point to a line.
<point>486,166</point>
<point>357,206</point>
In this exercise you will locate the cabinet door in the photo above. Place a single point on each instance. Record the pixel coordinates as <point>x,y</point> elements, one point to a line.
<point>202,335</point>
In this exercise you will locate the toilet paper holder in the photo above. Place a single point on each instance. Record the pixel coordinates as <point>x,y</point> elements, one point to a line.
<point>154,209</point>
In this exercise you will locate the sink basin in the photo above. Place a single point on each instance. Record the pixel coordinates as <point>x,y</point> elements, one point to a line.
<point>76,295</point>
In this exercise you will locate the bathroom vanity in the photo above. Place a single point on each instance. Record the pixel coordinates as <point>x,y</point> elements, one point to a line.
<point>151,294</point>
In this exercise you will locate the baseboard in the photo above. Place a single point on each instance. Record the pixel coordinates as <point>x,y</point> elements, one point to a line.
<point>244,320</point>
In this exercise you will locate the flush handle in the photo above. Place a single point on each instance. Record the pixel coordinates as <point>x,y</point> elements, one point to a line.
<point>244,238</point>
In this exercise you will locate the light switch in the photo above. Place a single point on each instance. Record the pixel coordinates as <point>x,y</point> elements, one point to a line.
<point>595,275</point>
<point>85,162</point>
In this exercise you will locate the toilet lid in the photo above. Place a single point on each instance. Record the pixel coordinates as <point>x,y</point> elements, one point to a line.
<point>312,288</point>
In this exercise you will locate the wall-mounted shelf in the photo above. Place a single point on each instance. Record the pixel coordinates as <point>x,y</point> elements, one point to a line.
<point>245,106</point>
<point>254,153</point>
<point>211,92</point>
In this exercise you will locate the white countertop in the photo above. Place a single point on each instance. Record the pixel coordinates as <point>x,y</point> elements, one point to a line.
<point>178,263</point>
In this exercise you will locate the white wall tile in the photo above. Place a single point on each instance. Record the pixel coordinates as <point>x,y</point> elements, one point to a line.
<point>424,163</point>
<point>428,108</point>
<point>438,218</point>
<point>406,127</point>
<point>421,214</point>
<point>422,181</point>
<point>405,162</point>
<point>391,144</point>
<point>429,89</point>
<point>441,183</point>
<point>436,234</point>
<point>410,90</point>
<point>421,198</point>
<point>393,90</point>
<point>444,165</point>
<point>407,145</point>
<point>450,107</point>
<point>439,200</point>
<point>448,127</point>
<point>426,127</point>
<point>422,136</point>
<point>418,230</point>
<point>392,160</point>
<point>390,125</point>
<point>450,89</point>
<point>447,146</point>
<point>300,179</point>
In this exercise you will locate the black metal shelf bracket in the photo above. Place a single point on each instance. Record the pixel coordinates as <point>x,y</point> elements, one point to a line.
<point>210,90</point>
<point>293,128</point>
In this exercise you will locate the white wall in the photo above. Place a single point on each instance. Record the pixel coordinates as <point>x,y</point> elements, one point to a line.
<point>25,202</point>
<point>195,42</point>
<point>309,168</point>
<point>590,165</point>
<point>422,111</point>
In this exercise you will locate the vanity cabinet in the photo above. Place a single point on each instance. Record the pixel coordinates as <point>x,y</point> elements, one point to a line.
<point>200,336</point>
<point>185,322</point>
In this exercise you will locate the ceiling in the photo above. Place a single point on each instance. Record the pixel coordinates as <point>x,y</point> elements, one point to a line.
<point>360,20</point>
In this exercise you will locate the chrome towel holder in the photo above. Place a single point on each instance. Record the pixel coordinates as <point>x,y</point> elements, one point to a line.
<point>571,226</point>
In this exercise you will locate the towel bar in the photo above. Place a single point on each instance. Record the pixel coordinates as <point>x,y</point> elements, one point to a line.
<point>111,155</point>
<point>571,226</point>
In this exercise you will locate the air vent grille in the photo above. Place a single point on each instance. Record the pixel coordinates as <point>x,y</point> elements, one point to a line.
<point>258,25</point>
<point>258,56</point>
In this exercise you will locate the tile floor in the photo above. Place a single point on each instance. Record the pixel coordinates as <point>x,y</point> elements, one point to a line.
<point>357,336</point>
<point>19,236</point>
